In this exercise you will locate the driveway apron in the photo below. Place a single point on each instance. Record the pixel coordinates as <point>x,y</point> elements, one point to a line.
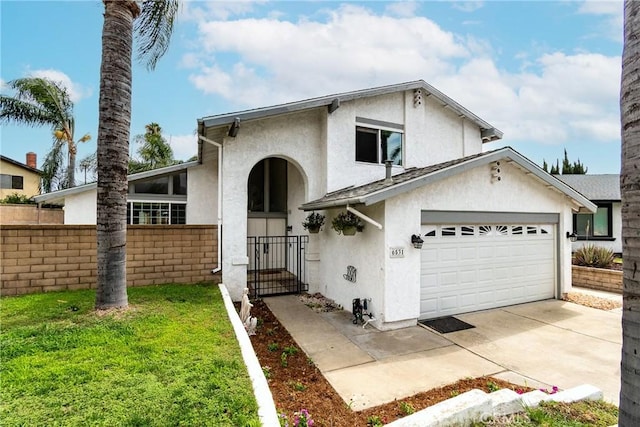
<point>539,344</point>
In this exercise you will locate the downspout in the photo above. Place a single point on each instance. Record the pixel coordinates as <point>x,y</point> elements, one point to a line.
<point>219,146</point>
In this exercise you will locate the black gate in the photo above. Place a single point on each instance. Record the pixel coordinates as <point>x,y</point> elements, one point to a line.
<point>276,265</point>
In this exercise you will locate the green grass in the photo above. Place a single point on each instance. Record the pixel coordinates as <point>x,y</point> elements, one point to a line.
<point>172,359</point>
<point>554,414</point>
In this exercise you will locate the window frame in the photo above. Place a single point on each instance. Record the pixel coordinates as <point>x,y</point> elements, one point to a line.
<point>378,127</point>
<point>11,182</point>
<point>600,204</point>
<point>169,208</point>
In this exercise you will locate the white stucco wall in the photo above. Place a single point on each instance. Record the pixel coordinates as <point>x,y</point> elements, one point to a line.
<point>364,251</point>
<point>469,191</point>
<point>202,193</point>
<point>432,134</point>
<point>616,230</point>
<point>81,208</point>
<point>296,138</point>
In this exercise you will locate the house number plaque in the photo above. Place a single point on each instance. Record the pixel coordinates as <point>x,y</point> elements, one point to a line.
<point>396,252</point>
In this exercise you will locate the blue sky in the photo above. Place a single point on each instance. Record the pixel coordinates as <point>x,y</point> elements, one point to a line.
<point>546,73</point>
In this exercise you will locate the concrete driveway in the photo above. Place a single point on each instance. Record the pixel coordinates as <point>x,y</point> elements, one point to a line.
<point>540,344</point>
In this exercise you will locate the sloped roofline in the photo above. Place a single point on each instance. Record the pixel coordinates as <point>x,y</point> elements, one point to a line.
<point>451,170</point>
<point>489,132</point>
<point>61,194</point>
<point>20,164</point>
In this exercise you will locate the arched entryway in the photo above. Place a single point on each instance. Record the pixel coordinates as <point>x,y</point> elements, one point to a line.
<point>275,189</point>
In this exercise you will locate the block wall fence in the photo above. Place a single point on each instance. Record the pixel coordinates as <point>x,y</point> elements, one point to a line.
<point>41,258</point>
<point>597,278</point>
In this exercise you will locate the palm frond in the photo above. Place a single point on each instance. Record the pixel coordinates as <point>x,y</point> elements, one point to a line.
<point>153,29</point>
<point>37,101</point>
<point>53,169</point>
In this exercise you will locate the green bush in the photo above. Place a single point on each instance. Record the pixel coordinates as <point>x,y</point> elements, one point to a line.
<point>591,255</point>
<point>17,199</point>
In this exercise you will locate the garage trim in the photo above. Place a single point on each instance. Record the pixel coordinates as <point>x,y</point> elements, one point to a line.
<point>469,217</point>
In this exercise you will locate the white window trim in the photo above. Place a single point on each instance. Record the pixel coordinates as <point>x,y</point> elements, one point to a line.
<point>378,128</point>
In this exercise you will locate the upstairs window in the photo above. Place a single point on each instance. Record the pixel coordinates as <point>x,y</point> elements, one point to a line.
<point>14,182</point>
<point>175,184</point>
<point>377,145</point>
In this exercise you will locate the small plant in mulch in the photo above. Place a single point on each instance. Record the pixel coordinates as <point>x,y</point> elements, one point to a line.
<point>266,370</point>
<point>283,360</point>
<point>290,350</point>
<point>407,408</point>
<point>297,385</point>
<point>376,421</point>
<point>273,346</point>
<point>492,386</point>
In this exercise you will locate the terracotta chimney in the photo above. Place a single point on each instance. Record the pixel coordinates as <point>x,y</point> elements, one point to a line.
<point>32,160</point>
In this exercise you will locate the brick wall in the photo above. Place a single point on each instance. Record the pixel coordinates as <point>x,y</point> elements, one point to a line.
<point>30,214</point>
<point>41,258</point>
<point>597,278</point>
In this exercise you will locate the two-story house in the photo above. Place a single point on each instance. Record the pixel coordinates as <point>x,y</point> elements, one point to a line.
<point>19,178</point>
<point>493,224</point>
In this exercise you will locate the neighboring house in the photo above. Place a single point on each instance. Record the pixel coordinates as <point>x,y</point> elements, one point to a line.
<point>493,223</point>
<point>604,227</point>
<point>175,194</point>
<point>19,178</point>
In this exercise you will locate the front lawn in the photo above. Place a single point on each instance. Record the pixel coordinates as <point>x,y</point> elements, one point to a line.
<point>171,359</point>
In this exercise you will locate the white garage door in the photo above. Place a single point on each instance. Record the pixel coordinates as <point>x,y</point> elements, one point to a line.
<point>475,267</point>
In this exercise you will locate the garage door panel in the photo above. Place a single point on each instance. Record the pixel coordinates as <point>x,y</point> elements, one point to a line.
<point>489,266</point>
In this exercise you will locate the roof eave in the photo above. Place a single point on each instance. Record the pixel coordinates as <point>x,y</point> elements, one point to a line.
<point>506,152</point>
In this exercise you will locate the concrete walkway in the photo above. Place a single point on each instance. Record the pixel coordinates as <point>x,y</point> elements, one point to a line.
<point>538,344</point>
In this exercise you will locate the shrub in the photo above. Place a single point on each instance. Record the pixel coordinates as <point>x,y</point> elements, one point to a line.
<point>591,255</point>
<point>17,199</point>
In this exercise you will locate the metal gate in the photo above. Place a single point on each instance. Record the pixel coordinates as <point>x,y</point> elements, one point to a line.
<point>276,265</point>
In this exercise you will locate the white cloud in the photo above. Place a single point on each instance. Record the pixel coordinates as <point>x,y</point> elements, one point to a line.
<point>76,90</point>
<point>468,6</point>
<point>404,9</point>
<point>198,10</point>
<point>612,11</point>
<point>183,146</point>
<point>548,97</point>
<point>354,48</point>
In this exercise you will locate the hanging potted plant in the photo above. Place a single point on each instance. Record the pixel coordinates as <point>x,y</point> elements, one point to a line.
<point>347,223</point>
<point>313,222</point>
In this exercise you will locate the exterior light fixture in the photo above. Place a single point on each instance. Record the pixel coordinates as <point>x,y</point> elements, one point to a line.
<point>234,128</point>
<point>572,236</point>
<point>416,241</point>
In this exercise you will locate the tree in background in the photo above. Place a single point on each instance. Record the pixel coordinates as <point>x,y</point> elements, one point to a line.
<point>568,168</point>
<point>629,414</point>
<point>154,152</point>
<point>153,29</point>
<point>42,102</point>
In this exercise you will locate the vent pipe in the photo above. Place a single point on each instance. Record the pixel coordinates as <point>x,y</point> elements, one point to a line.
<point>387,167</point>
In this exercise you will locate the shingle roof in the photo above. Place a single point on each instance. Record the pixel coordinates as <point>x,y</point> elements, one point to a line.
<point>413,178</point>
<point>594,187</point>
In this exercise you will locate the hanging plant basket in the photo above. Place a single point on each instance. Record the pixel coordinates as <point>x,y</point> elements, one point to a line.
<point>347,224</point>
<point>313,222</point>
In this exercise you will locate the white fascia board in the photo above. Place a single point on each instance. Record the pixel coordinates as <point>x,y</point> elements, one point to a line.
<point>489,132</point>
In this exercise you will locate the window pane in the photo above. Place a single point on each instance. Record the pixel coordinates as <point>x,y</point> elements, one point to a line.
<point>601,222</point>
<point>392,146</point>
<point>584,224</point>
<point>178,213</point>
<point>277,185</point>
<point>5,181</point>
<point>17,182</point>
<point>153,186</point>
<point>366,145</point>
<point>255,199</point>
<point>150,213</point>
<point>180,183</point>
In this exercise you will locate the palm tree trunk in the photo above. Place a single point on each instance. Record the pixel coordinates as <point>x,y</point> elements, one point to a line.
<point>113,152</point>
<point>71,167</point>
<point>629,414</point>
